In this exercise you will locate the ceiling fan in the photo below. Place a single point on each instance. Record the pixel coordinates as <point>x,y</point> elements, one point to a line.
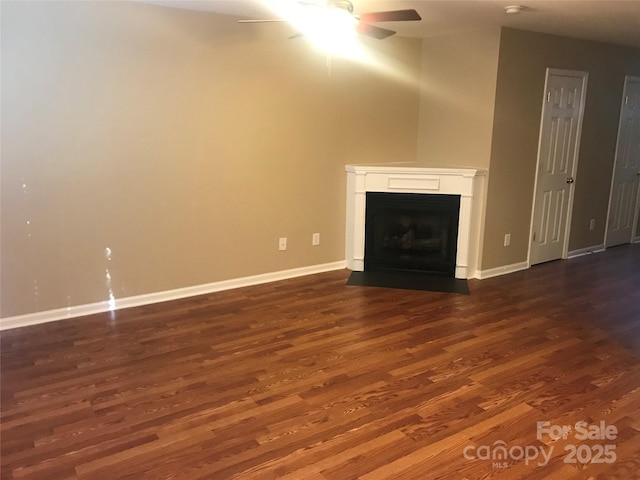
<point>344,8</point>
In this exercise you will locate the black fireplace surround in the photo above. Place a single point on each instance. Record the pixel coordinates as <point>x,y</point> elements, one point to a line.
<point>411,232</point>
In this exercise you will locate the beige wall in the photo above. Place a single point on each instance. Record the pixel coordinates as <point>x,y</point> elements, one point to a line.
<point>459,72</point>
<point>524,57</point>
<point>181,141</point>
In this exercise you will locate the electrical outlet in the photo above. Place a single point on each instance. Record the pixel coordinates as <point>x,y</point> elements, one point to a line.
<point>315,239</point>
<point>592,224</point>
<point>282,243</point>
<point>507,239</point>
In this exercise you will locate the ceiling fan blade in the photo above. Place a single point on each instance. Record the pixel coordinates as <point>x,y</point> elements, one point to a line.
<point>375,32</point>
<point>263,20</point>
<point>392,16</point>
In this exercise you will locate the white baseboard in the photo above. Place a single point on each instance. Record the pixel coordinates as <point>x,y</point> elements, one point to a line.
<point>636,240</point>
<point>157,297</point>
<point>586,251</point>
<point>504,270</point>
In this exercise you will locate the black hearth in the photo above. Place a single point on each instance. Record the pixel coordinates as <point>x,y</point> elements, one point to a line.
<point>411,232</point>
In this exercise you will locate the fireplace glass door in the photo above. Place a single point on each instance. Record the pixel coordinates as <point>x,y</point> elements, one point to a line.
<point>411,232</point>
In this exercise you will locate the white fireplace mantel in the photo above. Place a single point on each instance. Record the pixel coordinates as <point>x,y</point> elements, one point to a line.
<point>469,183</point>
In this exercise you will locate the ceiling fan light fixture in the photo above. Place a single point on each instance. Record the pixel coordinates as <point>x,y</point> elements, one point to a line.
<point>334,33</point>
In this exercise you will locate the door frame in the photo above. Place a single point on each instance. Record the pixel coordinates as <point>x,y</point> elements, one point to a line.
<point>634,228</point>
<point>583,97</point>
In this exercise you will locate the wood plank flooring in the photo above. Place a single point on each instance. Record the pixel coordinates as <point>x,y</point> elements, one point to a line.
<point>310,379</point>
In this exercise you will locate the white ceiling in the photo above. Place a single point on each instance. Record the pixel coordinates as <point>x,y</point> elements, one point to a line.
<point>611,21</point>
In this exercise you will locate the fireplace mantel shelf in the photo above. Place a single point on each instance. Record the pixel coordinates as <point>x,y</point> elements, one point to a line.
<point>412,168</point>
<point>469,183</point>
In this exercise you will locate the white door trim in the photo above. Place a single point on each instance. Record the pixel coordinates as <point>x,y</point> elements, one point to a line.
<point>632,238</point>
<point>585,77</point>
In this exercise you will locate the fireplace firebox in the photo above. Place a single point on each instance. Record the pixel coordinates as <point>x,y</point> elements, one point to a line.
<point>411,232</point>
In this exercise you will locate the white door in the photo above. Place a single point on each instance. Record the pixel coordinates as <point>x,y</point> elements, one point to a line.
<point>560,129</point>
<point>623,203</point>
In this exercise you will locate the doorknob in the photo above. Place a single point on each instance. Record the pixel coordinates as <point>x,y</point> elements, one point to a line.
<point>570,180</point>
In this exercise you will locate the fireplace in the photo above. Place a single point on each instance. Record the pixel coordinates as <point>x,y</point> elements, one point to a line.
<point>398,180</point>
<point>411,232</point>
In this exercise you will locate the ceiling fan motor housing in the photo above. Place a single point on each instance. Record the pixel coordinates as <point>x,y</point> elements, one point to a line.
<point>342,4</point>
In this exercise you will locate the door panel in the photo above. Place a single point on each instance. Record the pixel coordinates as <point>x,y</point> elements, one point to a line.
<point>557,156</point>
<point>623,206</point>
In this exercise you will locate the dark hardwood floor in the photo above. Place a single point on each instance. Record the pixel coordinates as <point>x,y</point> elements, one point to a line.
<point>312,379</point>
